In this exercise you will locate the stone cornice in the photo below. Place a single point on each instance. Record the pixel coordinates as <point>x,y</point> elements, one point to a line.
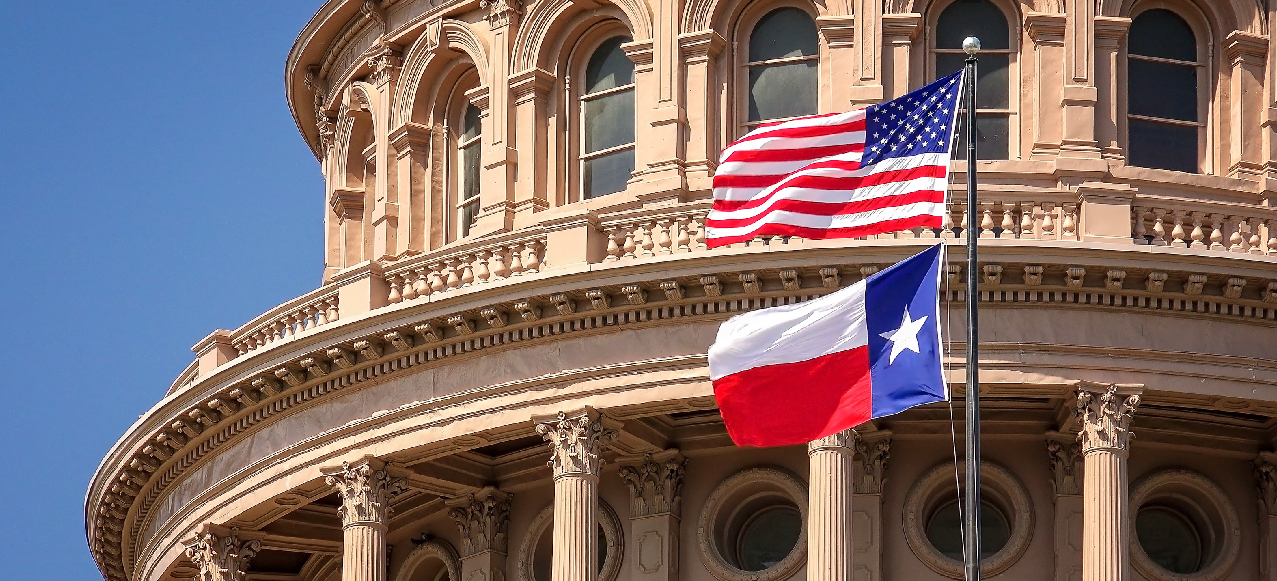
<point>155,454</point>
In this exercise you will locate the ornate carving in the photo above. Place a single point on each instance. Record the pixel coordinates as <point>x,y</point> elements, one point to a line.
<point>713,288</point>
<point>385,63</point>
<point>1033,275</point>
<point>871,461</point>
<point>483,518</point>
<point>1105,417</point>
<point>502,12</point>
<point>577,440</point>
<point>656,484</point>
<point>749,280</point>
<point>599,300</point>
<point>220,554</point>
<point>829,278</point>
<point>789,279</point>
<point>673,291</point>
<point>365,489</point>
<point>1266,481</point>
<point>1066,463</point>
<point>635,294</point>
<point>372,9</point>
<point>562,304</point>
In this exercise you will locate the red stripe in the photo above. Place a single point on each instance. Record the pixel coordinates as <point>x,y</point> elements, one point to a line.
<point>924,220</point>
<point>818,182</point>
<point>832,208</point>
<point>722,180</point>
<point>805,131</point>
<point>795,403</point>
<point>813,153</point>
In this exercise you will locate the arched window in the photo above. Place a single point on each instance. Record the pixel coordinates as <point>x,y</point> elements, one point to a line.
<point>469,164</point>
<point>1164,124</point>
<point>984,20</point>
<point>781,67</point>
<point>607,120</point>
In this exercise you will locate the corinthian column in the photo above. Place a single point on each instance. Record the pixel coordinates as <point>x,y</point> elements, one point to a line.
<point>1266,482</point>
<point>222,554</point>
<point>577,439</point>
<point>483,518</point>
<point>656,495</point>
<point>1104,417</point>
<point>365,489</point>
<point>829,551</point>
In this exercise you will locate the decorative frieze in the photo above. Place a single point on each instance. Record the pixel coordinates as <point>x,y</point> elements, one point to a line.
<point>483,519</point>
<point>1065,455</point>
<point>872,452</point>
<point>656,484</point>
<point>1104,415</point>
<point>365,489</point>
<point>222,554</point>
<point>1266,482</point>
<point>577,440</point>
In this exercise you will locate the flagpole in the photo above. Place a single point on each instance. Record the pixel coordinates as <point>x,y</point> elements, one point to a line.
<point>971,510</point>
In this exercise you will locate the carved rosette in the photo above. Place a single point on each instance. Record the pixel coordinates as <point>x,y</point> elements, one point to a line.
<point>502,12</point>
<point>1066,460</point>
<point>365,489</point>
<point>576,441</point>
<point>871,462</point>
<point>656,484</point>
<point>483,519</point>
<point>220,554</point>
<point>1266,482</point>
<point>1105,418</point>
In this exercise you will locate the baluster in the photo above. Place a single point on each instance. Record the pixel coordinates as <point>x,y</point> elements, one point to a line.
<point>533,263</point>
<point>453,277</point>
<point>333,313</point>
<point>986,220</point>
<point>1236,242</point>
<point>664,241</point>
<point>291,323</point>
<point>1026,221</point>
<point>496,263</point>
<point>1068,225</point>
<point>1137,224</point>
<point>700,233</point>
<point>1216,232</point>
<point>629,247</point>
<point>409,292</point>
<point>467,270</point>
<point>966,215</point>
<point>1198,235</point>
<point>684,241</point>
<point>481,271</point>
<point>277,331</point>
<point>321,314</point>
<point>516,259</point>
<point>1254,243</point>
<point>1007,225</point>
<point>1048,223</point>
<point>1159,227</point>
<point>1177,233</point>
<point>946,225</point>
<point>646,230</point>
<point>1272,236</point>
<point>437,279</point>
<point>613,246</point>
<point>308,318</point>
<point>395,294</point>
<point>420,286</point>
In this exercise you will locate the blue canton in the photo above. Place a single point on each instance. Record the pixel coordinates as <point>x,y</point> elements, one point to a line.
<point>919,122</point>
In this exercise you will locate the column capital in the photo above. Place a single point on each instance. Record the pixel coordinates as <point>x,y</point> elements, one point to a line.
<point>577,439</point>
<point>844,439</point>
<point>365,489</point>
<point>872,451</point>
<point>901,27</point>
<point>221,553</point>
<point>1266,481</point>
<point>656,483</point>
<point>1065,455</point>
<point>502,13</point>
<point>385,61</point>
<point>483,518</point>
<point>1104,414</point>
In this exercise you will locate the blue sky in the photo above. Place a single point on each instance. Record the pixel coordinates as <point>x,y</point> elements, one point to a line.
<point>155,188</point>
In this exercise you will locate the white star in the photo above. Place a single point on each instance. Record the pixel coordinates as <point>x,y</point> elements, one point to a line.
<point>906,337</point>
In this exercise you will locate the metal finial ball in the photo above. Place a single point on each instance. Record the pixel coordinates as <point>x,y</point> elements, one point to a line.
<point>971,44</point>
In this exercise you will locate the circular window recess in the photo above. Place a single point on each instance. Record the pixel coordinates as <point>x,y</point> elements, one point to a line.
<point>933,520</point>
<point>434,560</point>
<point>537,551</point>
<point>1186,529</point>
<point>754,526</point>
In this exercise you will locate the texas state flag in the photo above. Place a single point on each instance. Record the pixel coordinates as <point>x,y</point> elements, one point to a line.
<point>792,374</point>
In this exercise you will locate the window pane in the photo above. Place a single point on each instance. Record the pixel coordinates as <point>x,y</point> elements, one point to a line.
<point>609,121</point>
<point>783,33</point>
<point>1162,90</point>
<point>1162,145</point>
<point>470,125</point>
<point>978,18</point>
<point>1170,539</point>
<point>992,133</point>
<point>944,530</point>
<point>607,174</point>
<point>992,89</point>
<point>1162,33</point>
<point>779,91</point>
<point>768,538</point>
<point>609,68</point>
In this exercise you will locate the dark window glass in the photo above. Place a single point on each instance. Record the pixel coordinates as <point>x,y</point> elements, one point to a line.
<point>607,174</point>
<point>1163,90</point>
<point>768,537</point>
<point>944,530</point>
<point>471,166</point>
<point>609,121</point>
<point>1163,34</point>
<point>1162,145</point>
<point>991,77</point>
<point>470,125</point>
<point>978,18</point>
<point>1169,539</point>
<point>783,33</point>
<point>992,139</point>
<point>609,68</point>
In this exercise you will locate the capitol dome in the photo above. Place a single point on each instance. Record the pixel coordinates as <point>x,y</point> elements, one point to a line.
<point>502,375</point>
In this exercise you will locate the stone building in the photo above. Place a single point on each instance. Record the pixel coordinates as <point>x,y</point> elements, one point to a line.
<point>502,376</point>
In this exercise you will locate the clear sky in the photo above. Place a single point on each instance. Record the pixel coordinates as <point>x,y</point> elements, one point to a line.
<point>154,189</point>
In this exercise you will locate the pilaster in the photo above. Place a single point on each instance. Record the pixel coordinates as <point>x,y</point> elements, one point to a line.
<point>385,63</point>
<point>1104,413</point>
<point>656,487</point>
<point>577,439</point>
<point>699,51</point>
<point>1048,34</point>
<point>1109,32</point>
<point>411,144</point>
<point>1080,94</point>
<point>661,129</point>
<point>222,554</point>
<point>1065,455</point>
<point>872,451</point>
<point>496,195</point>
<point>484,520</point>
<point>1266,484</point>
<point>829,514</point>
<point>898,33</point>
<point>531,90</point>
<point>1246,52</point>
<point>365,489</point>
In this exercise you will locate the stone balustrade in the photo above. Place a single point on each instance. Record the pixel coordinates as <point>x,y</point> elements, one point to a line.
<point>1000,218</point>
<point>1205,226</point>
<point>641,234</point>
<point>287,321</point>
<point>476,263</point>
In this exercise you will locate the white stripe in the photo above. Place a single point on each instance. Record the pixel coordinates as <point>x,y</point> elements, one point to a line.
<point>834,196</point>
<point>780,168</point>
<point>775,143</point>
<point>841,119</point>
<point>792,333</point>
<point>830,222</point>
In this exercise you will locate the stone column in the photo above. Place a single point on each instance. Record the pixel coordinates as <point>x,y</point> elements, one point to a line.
<point>1245,52</point>
<point>222,554</point>
<point>829,551</point>
<point>1065,455</point>
<point>411,143</point>
<point>484,519</point>
<point>496,195</point>
<point>365,490</point>
<point>656,485</point>
<point>577,439</point>
<point>385,63</point>
<point>1266,482</point>
<point>1104,416</point>
<point>872,451</point>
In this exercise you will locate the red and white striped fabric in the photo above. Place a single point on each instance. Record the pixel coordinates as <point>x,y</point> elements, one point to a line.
<point>880,169</point>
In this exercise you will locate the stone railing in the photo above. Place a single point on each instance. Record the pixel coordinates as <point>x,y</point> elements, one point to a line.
<point>638,234</point>
<point>1047,219</point>
<point>476,263</point>
<point>188,377</point>
<point>1204,225</point>
<point>283,323</point>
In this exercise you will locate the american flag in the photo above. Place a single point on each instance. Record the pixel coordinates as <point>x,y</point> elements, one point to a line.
<point>880,169</point>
